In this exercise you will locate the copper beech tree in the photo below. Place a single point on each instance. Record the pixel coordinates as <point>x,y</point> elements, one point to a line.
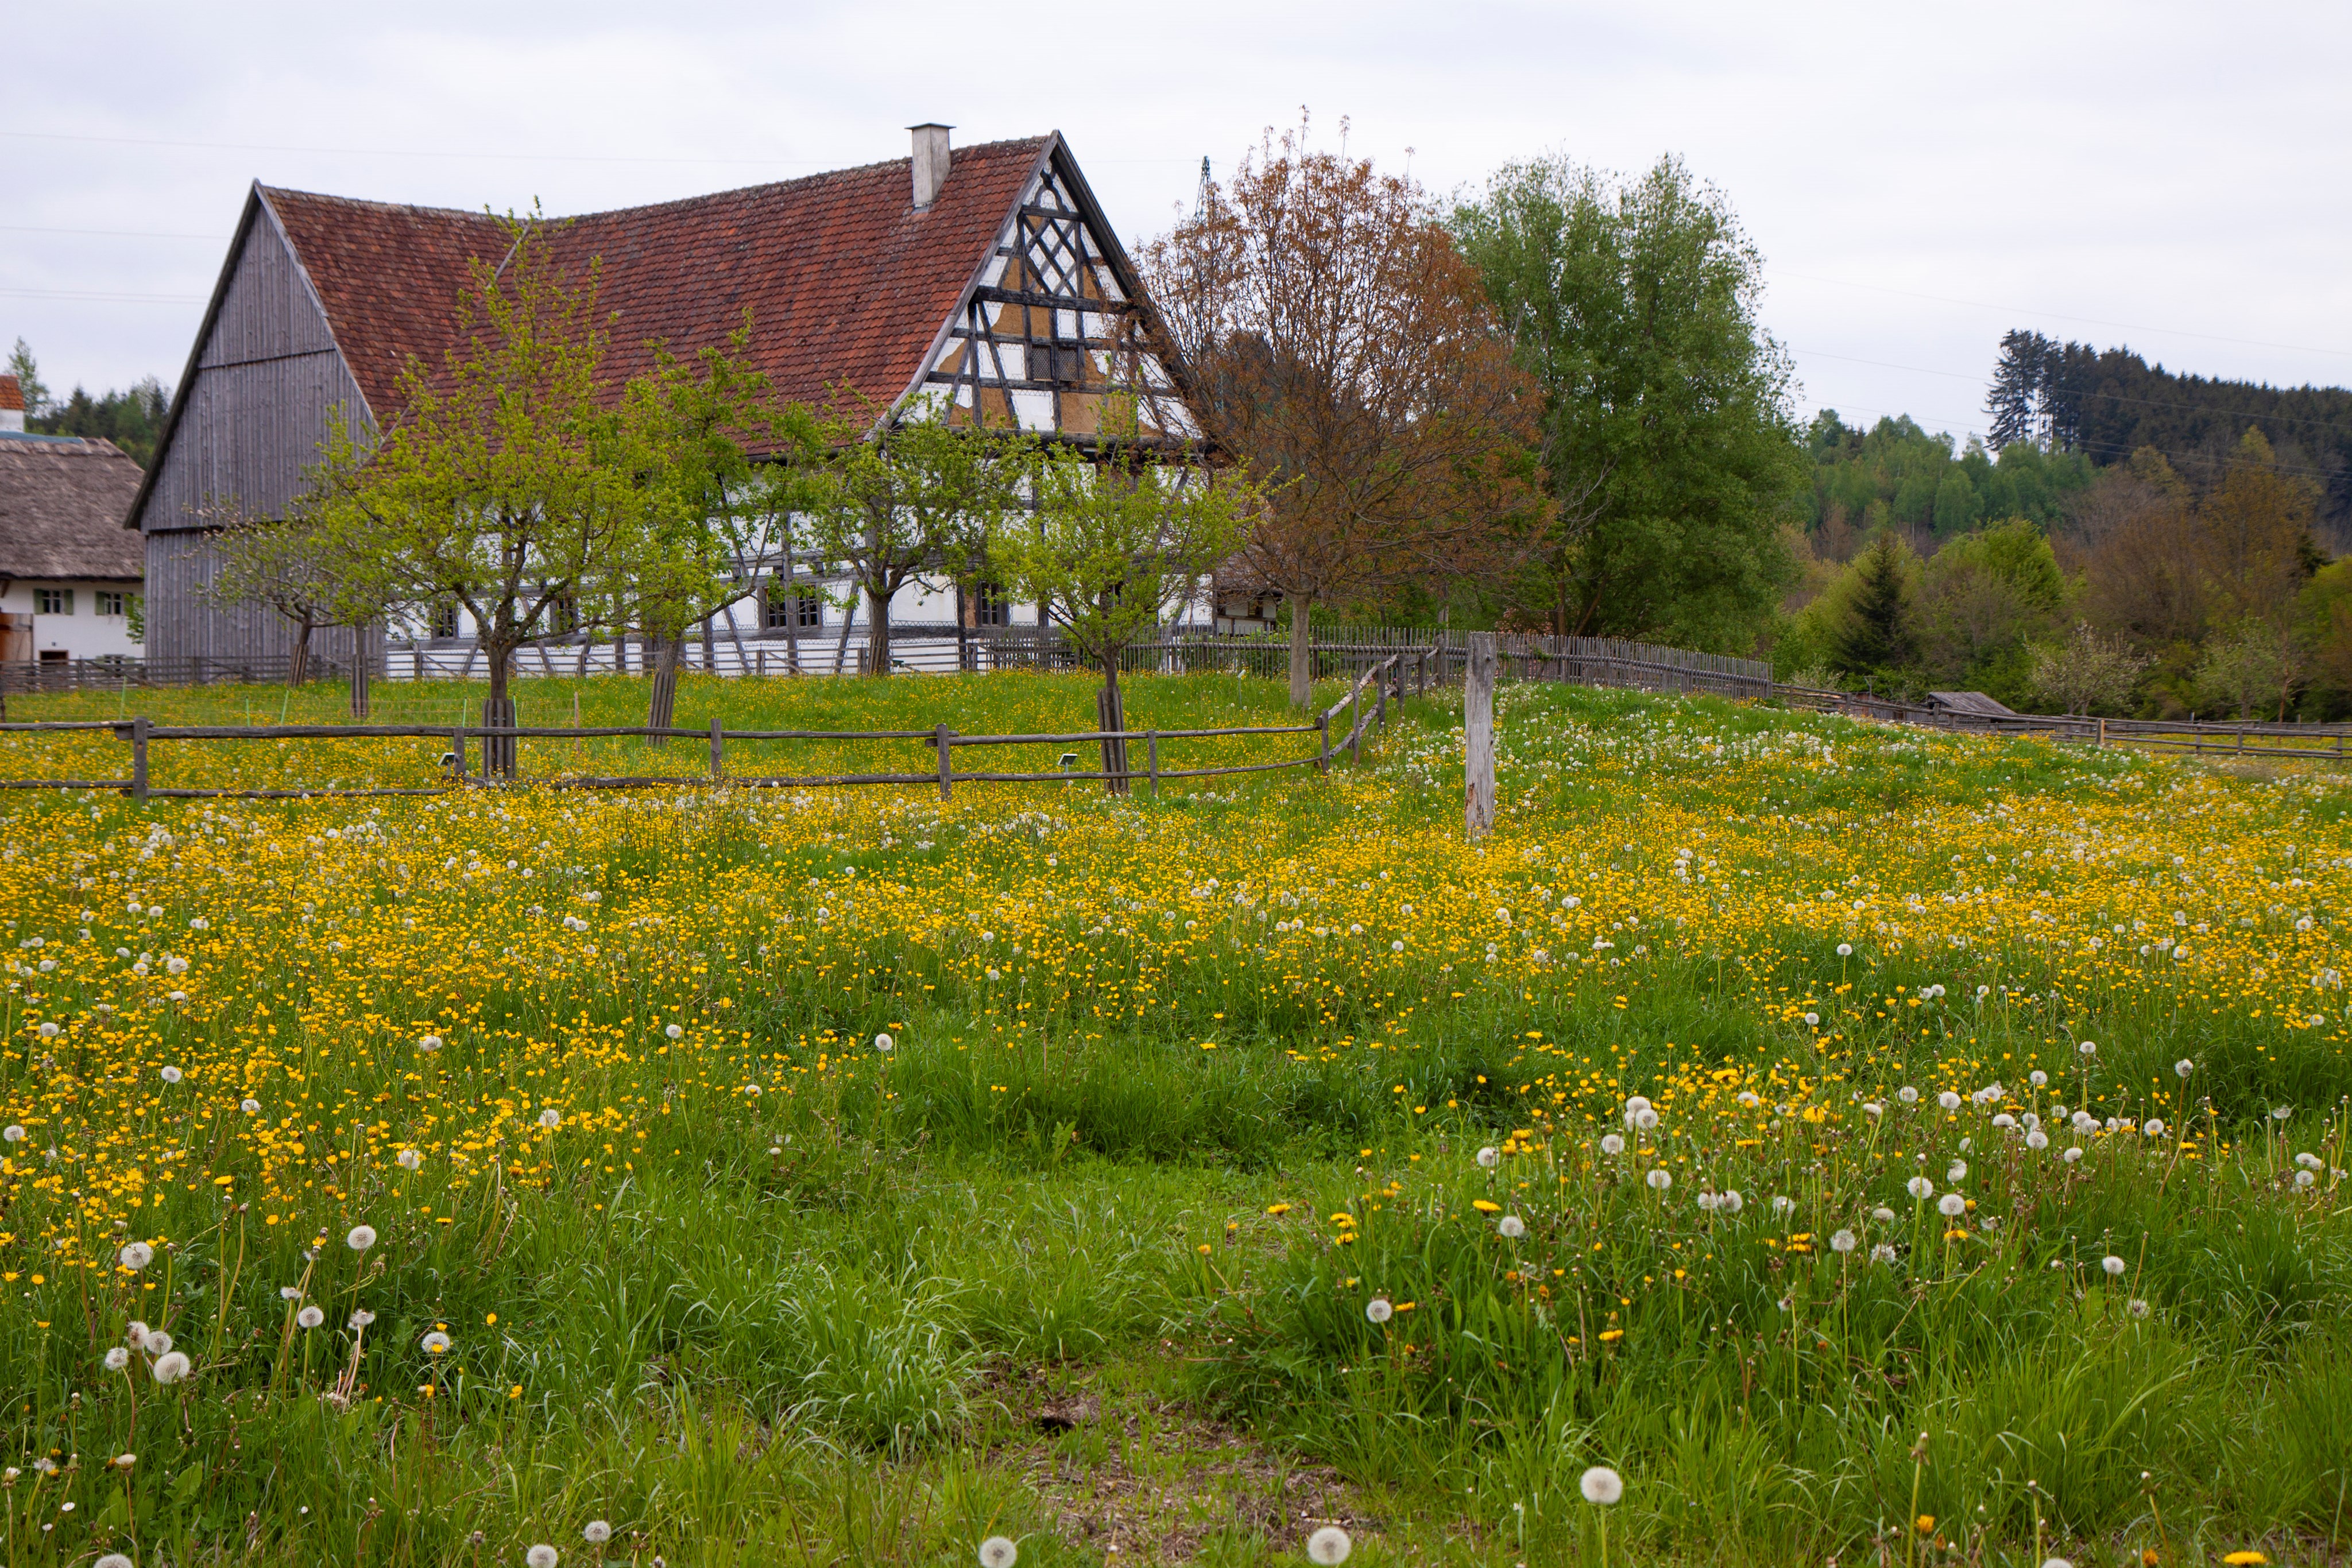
<point>1342,351</point>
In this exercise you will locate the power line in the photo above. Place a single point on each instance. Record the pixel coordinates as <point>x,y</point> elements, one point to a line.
<point>109,234</point>
<point>94,294</point>
<point>2340,424</point>
<point>2060,315</point>
<point>401,152</point>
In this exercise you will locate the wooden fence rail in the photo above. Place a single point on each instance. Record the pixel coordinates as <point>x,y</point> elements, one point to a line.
<point>141,732</point>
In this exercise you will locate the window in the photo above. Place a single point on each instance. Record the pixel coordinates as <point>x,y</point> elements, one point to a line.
<point>802,611</point>
<point>990,607</point>
<point>562,616</point>
<point>445,620</point>
<point>53,602</point>
<point>110,602</point>
<point>53,655</point>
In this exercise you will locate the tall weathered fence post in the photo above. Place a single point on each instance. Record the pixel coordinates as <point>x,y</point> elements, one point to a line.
<point>1478,735</point>
<point>718,752</point>
<point>940,737</point>
<point>138,761</point>
<point>1323,754</point>
<point>363,661</point>
<point>497,750</point>
<point>1151,758</point>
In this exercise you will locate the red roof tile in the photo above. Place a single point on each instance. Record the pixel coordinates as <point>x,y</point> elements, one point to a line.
<point>844,279</point>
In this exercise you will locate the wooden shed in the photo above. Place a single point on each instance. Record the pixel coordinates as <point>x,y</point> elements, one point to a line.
<point>987,277</point>
<point>1968,704</point>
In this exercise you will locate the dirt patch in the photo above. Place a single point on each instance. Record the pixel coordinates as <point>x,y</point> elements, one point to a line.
<point>1146,1480</point>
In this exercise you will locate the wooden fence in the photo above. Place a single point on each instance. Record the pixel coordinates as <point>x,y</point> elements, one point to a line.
<point>936,649</point>
<point>2248,738</point>
<point>1384,678</point>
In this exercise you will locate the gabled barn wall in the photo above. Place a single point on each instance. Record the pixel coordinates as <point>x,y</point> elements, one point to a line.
<point>258,405</point>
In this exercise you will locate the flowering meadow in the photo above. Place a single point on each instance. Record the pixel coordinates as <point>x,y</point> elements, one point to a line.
<point>1858,1143</point>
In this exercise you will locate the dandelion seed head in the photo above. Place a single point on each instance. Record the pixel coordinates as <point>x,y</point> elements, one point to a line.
<point>1659,1179</point>
<point>1378,1310</point>
<point>1511,1227</point>
<point>1845,949</point>
<point>541,1556</point>
<point>310,1317</point>
<point>1600,1485</point>
<point>1490,1157</point>
<point>2114,1265</point>
<point>1843,1241</point>
<point>361,1238</point>
<point>136,1255</point>
<point>429,1043</point>
<point>998,1552</point>
<point>117,1359</point>
<point>1952,1205</point>
<point>1919,1186</point>
<point>1610,1143</point>
<point>596,1532</point>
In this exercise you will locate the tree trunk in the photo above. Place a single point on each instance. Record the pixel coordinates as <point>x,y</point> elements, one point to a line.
<point>1110,711</point>
<point>1302,654</point>
<point>499,711</point>
<point>661,707</point>
<point>297,668</point>
<point>877,634</point>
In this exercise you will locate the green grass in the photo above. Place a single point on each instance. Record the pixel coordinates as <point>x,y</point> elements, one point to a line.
<point>1105,1165</point>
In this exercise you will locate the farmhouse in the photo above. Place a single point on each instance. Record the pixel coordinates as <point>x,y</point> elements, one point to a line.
<point>69,577</point>
<point>985,275</point>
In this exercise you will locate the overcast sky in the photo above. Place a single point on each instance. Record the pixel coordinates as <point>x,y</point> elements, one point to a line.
<point>1918,178</point>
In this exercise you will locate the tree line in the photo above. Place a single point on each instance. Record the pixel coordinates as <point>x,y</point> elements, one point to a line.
<point>132,418</point>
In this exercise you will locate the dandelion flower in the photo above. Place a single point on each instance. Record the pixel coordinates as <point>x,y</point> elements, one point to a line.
<point>674,1031</point>
<point>1883,1215</point>
<point>1845,949</point>
<point>1489,1157</point>
<point>137,1255</point>
<point>1873,1109</point>
<point>1600,1485</point>
<point>883,1042</point>
<point>1326,1545</point>
<point>113,1560</point>
<point>310,1317</point>
<point>2089,1048</point>
<point>430,1043</point>
<point>1610,1143</point>
<point>2280,1113</point>
<point>249,1106</point>
<point>540,1556</point>
<point>998,1552</point>
<point>1378,1310</point>
<point>1908,1095</point>
<point>409,1159</point>
<point>1730,1201</point>
<point>134,1334</point>
<point>2038,1078</point>
<point>1882,1253</point>
<point>2071,1155</point>
<point>14,1133</point>
<point>1951,1205</point>
<point>1920,1187</point>
<point>1843,1241</point>
<point>1645,1119</point>
<point>1957,1171</point>
<point>2184,1067</point>
<point>2136,1307</point>
<point>289,1292</point>
<point>2305,1178</point>
<point>2037,1139</point>
<point>1659,1179</point>
<point>361,1318</point>
<point>2244,1558</point>
<point>597,1532</point>
<point>1948,1100</point>
<point>551,1118</point>
<point>436,1343</point>
<point>2153,1127</point>
<point>2112,1265</point>
<point>117,1359</point>
<point>172,1075</point>
<point>1814,1020</point>
<point>361,1238</point>
<point>1783,1204</point>
<point>156,1342</point>
<point>1511,1227</point>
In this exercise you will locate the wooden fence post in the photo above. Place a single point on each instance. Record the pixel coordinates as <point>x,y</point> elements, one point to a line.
<point>1356,723</point>
<point>138,761</point>
<point>947,766</point>
<point>1151,758</point>
<point>1323,753</point>
<point>1478,736</point>
<point>458,755</point>
<point>718,752</point>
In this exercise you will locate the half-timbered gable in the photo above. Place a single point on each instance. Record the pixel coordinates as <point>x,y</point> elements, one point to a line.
<point>988,277</point>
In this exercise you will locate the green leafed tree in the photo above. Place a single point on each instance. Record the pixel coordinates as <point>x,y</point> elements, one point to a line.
<point>1114,543</point>
<point>1669,435</point>
<point>897,500</point>
<point>504,482</point>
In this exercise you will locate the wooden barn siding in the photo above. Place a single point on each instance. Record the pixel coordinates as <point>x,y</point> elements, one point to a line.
<point>265,380</point>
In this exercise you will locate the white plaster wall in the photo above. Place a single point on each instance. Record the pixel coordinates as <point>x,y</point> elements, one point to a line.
<point>85,633</point>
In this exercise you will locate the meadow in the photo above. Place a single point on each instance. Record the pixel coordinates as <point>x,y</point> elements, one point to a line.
<point>1873,1145</point>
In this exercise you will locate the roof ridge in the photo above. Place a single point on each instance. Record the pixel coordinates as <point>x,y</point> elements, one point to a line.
<point>1025,144</point>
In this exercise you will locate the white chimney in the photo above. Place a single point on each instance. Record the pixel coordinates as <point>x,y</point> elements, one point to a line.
<point>12,403</point>
<point>930,161</point>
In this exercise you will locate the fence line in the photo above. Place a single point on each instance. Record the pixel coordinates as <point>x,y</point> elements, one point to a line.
<point>498,741</point>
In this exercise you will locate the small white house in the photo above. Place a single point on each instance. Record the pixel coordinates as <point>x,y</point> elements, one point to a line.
<point>70,574</point>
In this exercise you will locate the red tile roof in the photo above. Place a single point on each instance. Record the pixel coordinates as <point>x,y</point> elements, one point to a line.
<point>844,279</point>
<point>12,394</point>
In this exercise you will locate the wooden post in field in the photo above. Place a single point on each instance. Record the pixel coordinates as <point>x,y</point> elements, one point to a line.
<point>138,761</point>
<point>1323,754</point>
<point>1478,735</point>
<point>718,752</point>
<point>1151,758</point>
<point>2103,734</point>
<point>939,738</point>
